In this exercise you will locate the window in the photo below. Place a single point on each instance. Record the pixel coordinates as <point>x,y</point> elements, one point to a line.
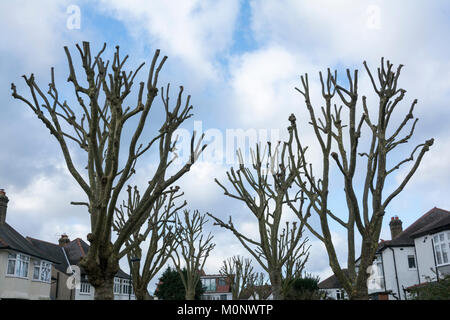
<point>411,262</point>
<point>117,286</point>
<point>42,271</point>
<point>222,282</point>
<point>442,248</point>
<point>126,287</point>
<point>18,265</point>
<point>340,294</point>
<point>209,284</point>
<point>85,288</point>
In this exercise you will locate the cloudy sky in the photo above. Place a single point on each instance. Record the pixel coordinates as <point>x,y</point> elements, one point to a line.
<point>240,61</point>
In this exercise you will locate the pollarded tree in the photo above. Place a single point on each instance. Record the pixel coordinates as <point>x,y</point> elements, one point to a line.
<point>193,248</point>
<point>365,210</point>
<point>238,272</point>
<point>159,231</point>
<point>95,123</point>
<point>264,191</point>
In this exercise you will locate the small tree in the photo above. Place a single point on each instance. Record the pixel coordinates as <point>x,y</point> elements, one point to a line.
<point>238,272</point>
<point>304,288</point>
<point>437,290</point>
<point>264,192</point>
<point>193,249</point>
<point>365,212</point>
<point>95,123</point>
<point>171,287</point>
<point>159,231</point>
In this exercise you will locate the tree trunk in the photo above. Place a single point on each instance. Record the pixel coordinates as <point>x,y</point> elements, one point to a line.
<point>275,281</point>
<point>105,290</point>
<point>141,294</point>
<point>190,294</point>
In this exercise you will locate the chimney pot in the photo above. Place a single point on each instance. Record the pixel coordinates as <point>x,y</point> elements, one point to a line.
<point>63,240</point>
<point>396,226</point>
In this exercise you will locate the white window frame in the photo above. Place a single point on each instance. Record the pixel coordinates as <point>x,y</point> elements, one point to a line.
<point>117,286</point>
<point>85,288</point>
<point>42,266</point>
<point>340,294</point>
<point>441,243</point>
<point>207,284</point>
<point>20,261</point>
<point>415,262</point>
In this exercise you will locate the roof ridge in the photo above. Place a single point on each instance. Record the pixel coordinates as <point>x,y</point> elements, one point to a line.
<point>27,237</point>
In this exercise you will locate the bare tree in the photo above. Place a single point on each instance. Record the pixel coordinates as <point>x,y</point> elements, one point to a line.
<point>159,231</point>
<point>238,272</point>
<point>258,287</point>
<point>365,211</point>
<point>101,101</point>
<point>193,249</point>
<point>265,193</point>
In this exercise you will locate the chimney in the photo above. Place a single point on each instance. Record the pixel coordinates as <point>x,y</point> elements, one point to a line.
<point>396,226</point>
<point>3,206</point>
<point>63,240</point>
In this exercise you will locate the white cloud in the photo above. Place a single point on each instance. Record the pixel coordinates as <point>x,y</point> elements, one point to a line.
<point>194,31</point>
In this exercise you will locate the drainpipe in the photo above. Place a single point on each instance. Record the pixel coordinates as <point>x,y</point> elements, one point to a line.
<point>417,264</point>
<point>382,268</point>
<point>396,275</point>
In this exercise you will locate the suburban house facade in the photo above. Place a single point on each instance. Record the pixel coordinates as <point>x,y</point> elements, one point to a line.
<point>414,256</point>
<point>216,286</point>
<point>35,269</point>
<point>25,271</point>
<point>70,254</point>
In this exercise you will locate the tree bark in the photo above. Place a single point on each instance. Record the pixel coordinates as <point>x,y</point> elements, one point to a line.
<point>104,291</point>
<point>142,294</point>
<point>190,294</point>
<point>275,281</point>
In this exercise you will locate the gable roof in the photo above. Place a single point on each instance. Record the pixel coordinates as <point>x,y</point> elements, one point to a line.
<point>406,237</point>
<point>332,282</point>
<point>75,250</point>
<point>11,239</point>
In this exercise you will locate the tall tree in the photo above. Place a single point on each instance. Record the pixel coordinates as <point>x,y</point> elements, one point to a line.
<point>264,191</point>
<point>238,272</point>
<point>101,102</point>
<point>193,248</point>
<point>159,231</point>
<point>365,211</point>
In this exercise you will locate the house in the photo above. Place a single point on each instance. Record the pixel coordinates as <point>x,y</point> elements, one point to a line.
<point>25,271</point>
<point>36,269</point>
<point>70,254</point>
<point>332,287</point>
<point>216,286</point>
<point>414,256</point>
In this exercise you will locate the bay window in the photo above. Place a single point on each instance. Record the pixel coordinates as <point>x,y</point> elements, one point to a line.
<point>441,243</point>
<point>18,264</point>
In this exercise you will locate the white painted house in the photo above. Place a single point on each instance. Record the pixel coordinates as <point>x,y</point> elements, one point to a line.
<point>25,271</point>
<point>414,256</point>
